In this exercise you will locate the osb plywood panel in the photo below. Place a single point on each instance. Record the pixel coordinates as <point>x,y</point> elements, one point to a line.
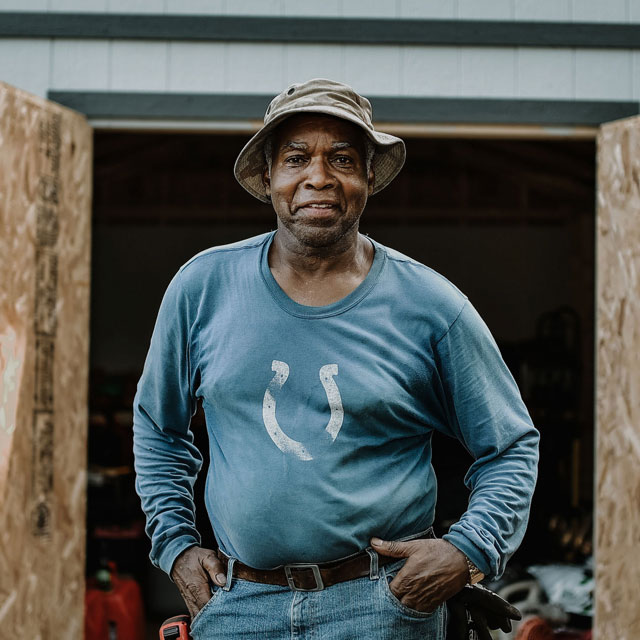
<point>45,193</point>
<point>618,382</point>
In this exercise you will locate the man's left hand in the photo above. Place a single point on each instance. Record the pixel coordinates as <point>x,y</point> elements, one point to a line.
<point>434,571</point>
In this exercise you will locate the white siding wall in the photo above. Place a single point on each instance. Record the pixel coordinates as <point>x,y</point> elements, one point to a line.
<point>38,65</point>
<point>26,64</point>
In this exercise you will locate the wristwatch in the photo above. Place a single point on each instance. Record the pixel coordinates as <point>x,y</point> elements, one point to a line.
<point>475,575</point>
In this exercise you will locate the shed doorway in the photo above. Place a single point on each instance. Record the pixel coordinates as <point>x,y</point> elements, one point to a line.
<point>510,222</point>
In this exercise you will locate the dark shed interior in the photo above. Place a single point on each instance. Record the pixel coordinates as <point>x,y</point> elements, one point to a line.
<point>509,222</point>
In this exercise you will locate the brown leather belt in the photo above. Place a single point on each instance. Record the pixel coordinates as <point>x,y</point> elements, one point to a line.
<point>305,576</point>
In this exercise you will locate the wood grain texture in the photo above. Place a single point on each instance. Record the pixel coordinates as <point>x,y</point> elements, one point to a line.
<point>618,382</point>
<point>45,201</point>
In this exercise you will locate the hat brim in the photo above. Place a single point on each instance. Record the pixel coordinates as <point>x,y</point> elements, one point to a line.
<point>389,157</point>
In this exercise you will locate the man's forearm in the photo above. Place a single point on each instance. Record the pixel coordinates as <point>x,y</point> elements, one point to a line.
<point>493,526</point>
<point>166,465</point>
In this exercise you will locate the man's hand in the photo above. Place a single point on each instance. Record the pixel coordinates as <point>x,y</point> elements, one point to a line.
<point>434,571</point>
<point>194,570</point>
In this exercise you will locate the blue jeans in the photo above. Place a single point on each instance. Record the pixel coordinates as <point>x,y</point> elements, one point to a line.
<point>360,608</point>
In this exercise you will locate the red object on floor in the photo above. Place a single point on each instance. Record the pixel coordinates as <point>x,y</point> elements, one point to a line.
<point>535,629</point>
<point>113,608</point>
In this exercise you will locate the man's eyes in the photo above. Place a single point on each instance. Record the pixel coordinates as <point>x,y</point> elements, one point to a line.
<point>341,160</point>
<point>298,159</point>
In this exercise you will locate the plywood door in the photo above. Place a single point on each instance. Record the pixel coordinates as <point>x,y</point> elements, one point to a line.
<point>618,382</point>
<point>45,202</point>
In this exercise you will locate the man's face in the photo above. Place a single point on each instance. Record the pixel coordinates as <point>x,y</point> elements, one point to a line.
<point>319,184</point>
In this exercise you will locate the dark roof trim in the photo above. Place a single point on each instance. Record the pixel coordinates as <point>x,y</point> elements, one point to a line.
<point>180,106</point>
<point>322,30</point>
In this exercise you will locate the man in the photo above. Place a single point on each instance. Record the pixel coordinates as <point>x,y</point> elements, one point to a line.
<point>325,361</point>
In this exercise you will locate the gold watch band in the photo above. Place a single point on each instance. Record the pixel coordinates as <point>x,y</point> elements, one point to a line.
<point>475,575</point>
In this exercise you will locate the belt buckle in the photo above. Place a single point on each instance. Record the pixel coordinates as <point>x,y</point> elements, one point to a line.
<point>301,565</point>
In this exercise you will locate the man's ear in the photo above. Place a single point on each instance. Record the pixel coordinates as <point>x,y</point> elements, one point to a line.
<point>371,181</point>
<point>266,180</point>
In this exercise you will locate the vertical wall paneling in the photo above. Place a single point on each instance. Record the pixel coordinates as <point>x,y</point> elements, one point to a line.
<point>24,5</point>
<point>601,73</point>
<point>255,7</point>
<point>545,73</point>
<point>442,9</point>
<point>81,6</point>
<point>431,71</point>
<point>24,62</point>
<point>196,67</point>
<point>487,71</point>
<point>195,7</point>
<point>326,8</point>
<point>255,68</point>
<point>559,10</point>
<point>373,70</point>
<point>618,382</point>
<point>486,10</point>
<point>45,217</point>
<point>136,6</point>
<point>80,64</point>
<point>369,8</point>
<point>306,61</point>
<point>598,11</point>
<point>138,66</point>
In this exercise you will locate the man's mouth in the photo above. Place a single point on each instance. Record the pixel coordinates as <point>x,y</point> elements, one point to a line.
<point>318,207</point>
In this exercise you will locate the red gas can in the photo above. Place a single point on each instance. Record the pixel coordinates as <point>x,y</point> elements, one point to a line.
<point>113,607</point>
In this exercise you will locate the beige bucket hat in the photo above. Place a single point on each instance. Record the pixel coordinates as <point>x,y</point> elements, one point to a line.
<point>326,97</point>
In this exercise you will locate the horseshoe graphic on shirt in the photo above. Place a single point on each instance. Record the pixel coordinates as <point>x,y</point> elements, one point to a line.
<point>279,437</point>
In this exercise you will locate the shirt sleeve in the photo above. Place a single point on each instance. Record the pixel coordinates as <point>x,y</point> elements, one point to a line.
<point>166,460</point>
<point>486,413</point>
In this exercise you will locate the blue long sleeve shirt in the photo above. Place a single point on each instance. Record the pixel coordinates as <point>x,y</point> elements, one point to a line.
<point>320,419</point>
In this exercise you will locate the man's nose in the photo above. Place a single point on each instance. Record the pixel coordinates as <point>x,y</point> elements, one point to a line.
<point>319,175</point>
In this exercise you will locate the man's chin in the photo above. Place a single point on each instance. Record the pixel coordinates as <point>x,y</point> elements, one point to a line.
<point>321,236</point>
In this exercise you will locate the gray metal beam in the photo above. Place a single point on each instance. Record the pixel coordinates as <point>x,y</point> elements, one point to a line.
<point>181,106</point>
<point>320,30</point>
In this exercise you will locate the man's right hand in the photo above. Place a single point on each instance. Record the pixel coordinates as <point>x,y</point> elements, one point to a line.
<point>194,571</point>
